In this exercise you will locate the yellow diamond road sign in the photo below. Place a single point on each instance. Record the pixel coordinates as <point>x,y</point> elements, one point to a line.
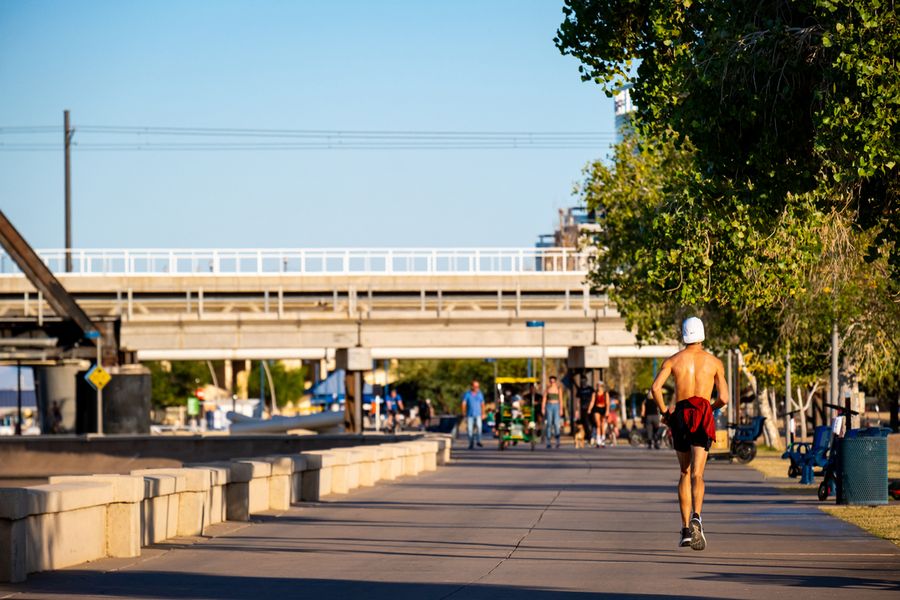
<point>98,377</point>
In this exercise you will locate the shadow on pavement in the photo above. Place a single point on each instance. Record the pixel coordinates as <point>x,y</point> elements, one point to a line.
<point>804,581</point>
<point>163,585</point>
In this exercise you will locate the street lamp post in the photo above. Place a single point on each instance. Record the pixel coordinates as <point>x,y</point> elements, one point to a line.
<point>543,354</point>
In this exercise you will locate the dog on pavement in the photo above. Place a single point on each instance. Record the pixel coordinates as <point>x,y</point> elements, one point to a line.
<point>579,436</point>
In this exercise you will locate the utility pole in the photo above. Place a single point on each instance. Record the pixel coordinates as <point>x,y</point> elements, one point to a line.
<point>835,352</point>
<point>788,434</point>
<point>67,142</point>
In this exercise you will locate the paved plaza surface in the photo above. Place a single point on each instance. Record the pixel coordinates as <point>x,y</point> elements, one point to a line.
<point>565,524</point>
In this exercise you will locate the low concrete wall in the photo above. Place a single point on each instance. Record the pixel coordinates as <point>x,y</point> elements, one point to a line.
<point>76,519</point>
<point>40,457</point>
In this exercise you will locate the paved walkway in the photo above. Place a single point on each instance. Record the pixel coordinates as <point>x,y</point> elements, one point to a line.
<point>560,524</point>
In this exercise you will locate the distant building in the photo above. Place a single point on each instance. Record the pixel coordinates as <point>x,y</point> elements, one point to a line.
<point>577,228</point>
<point>624,109</point>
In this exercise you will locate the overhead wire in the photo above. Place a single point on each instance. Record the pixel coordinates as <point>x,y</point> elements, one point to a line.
<point>154,138</point>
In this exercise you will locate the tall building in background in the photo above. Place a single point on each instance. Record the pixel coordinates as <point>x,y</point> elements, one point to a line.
<point>624,109</point>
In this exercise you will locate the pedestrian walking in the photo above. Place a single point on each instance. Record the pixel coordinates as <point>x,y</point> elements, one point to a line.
<point>696,372</point>
<point>553,410</point>
<point>650,417</point>
<point>473,409</point>
<point>598,408</point>
<point>425,412</point>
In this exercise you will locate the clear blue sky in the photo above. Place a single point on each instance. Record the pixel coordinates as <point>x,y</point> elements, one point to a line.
<point>359,65</point>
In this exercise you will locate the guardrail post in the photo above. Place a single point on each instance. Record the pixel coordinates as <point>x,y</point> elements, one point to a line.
<point>173,263</point>
<point>259,263</point>
<point>346,261</point>
<point>389,262</point>
<point>215,258</point>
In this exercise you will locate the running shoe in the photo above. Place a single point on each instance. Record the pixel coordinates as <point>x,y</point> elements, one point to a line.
<point>685,537</point>
<point>698,540</point>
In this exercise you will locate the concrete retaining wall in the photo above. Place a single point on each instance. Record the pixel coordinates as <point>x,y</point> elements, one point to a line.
<point>79,518</point>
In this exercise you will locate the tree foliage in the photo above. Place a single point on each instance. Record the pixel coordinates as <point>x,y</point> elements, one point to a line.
<point>173,382</point>
<point>445,381</point>
<point>760,184</point>
<point>289,384</point>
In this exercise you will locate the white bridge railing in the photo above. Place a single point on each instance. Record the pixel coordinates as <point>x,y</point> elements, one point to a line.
<point>313,261</point>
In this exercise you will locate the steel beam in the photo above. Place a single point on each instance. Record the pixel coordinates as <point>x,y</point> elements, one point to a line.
<point>43,279</point>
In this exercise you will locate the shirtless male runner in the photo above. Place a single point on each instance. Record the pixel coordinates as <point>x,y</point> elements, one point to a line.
<point>692,424</point>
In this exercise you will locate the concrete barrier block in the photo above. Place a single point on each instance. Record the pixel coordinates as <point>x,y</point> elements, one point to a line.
<point>13,503</point>
<point>159,509</point>
<point>248,492</point>
<point>315,481</point>
<point>192,485</point>
<point>219,477</point>
<point>430,450</point>
<point>123,525</point>
<point>353,462</point>
<point>280,482</point>
<point>445,443</point>
<point>407,458</point>
<point>13,565</point>
<point>62,539</point>
<point>246,470</point>
<point>13,512</point>
<point>398,455</point>
<point>123,529</point>
<point>68,496</point>
<point>335,480</point>
<point>67,524</point>
<point>385,459</point>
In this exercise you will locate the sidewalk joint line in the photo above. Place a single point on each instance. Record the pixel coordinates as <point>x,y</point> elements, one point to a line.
<point>510,553</point>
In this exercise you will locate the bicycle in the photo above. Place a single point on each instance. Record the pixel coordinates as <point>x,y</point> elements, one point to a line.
<point>638,437</point>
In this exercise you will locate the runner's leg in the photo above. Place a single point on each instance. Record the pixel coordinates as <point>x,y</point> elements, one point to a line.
<point>698,487</point>
<point>684,486</point>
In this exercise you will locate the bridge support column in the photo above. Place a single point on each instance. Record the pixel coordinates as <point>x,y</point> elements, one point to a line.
<point>354,361</point>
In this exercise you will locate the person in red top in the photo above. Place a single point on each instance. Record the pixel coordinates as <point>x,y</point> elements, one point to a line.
<point>696,372</point>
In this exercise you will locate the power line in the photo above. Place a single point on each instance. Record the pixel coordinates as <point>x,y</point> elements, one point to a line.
<point>107,138</point>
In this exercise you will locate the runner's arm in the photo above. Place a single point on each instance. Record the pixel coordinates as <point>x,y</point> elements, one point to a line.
<point>721,386</point>
<point>658,383</point>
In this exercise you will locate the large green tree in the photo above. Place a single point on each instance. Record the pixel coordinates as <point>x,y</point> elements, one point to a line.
<point>779,98</point>
<point>760,185</point>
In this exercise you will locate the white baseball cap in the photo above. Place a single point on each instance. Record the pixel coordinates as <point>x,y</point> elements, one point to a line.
<point>692,330</point>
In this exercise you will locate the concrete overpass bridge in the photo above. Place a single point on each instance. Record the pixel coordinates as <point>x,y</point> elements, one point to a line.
<point>305,303</point>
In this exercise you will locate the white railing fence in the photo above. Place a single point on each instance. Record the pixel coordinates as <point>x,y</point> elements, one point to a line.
<point>312,261</point>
